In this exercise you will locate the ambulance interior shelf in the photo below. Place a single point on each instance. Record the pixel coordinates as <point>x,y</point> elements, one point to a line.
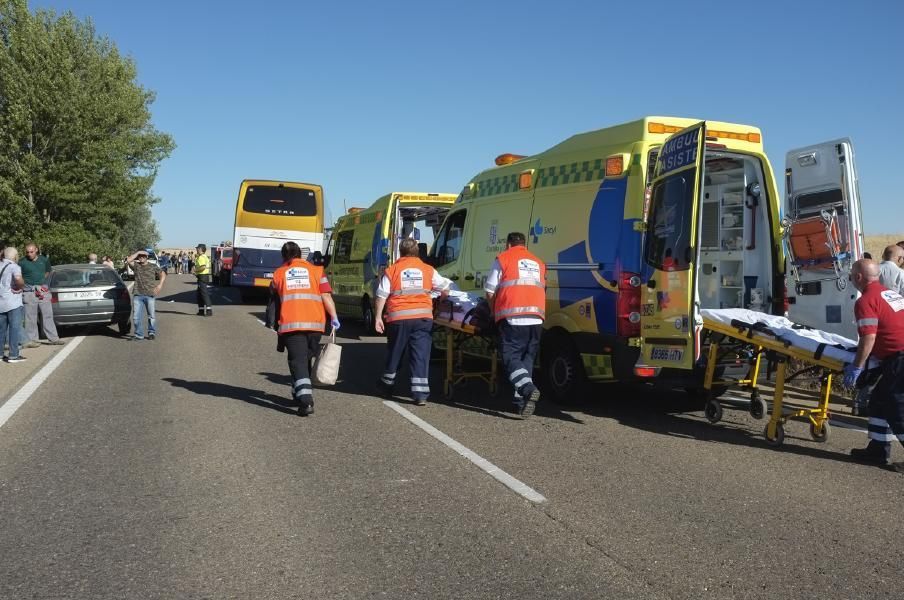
<point>735,256</point>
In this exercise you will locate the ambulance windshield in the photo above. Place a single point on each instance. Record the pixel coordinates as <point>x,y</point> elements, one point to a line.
<point>668,241</point>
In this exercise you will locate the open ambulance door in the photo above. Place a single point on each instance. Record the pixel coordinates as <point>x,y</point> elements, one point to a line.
<point>823,235</point>
<point>669,314</point>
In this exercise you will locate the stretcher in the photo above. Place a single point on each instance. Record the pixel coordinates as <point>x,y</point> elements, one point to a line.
<point>754,336</point>
<point>463,340</point>
<point>815,242</point>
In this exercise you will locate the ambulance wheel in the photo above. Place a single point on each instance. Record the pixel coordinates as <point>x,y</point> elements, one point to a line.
<point>562,370</point>
<point>367,315</point>
<point>713,411</point>
<point>758,408</point>
<point>779,438</point>
<point>821,433</point>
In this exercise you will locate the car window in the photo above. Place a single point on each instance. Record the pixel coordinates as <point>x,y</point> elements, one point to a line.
<point>83,278</point>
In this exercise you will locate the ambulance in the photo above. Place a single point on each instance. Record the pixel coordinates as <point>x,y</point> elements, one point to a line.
<point>366,241</point>
<point>641,225</point>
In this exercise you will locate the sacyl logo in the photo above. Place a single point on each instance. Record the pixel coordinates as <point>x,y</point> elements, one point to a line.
<point>539,229</point>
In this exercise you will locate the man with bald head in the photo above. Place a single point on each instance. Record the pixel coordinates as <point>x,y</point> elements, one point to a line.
<point>890,273</point>
<point>880,323</point>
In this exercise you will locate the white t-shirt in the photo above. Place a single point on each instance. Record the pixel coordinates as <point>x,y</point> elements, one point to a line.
<point>489,287</point>
<point>8,299</point>
<point>891,276</point>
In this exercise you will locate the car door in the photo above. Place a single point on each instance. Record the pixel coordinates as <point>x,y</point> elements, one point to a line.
<point>821,185</point>
<point>669,315</point>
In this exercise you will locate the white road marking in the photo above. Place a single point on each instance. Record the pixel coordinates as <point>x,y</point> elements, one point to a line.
<point>25,392</point>
<point>492,470</point>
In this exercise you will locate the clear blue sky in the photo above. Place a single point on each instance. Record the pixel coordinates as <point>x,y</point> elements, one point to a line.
<point>370,97</point>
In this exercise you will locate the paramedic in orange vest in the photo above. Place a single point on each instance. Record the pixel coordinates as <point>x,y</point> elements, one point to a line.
<point>405,292</point>
<point>299,294</point>
<point>516,291</point>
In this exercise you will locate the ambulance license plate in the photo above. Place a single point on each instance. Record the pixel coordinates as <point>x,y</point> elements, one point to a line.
<point>666,354</point>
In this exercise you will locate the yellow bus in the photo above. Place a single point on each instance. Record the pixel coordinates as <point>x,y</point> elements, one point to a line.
<point>267,215</point>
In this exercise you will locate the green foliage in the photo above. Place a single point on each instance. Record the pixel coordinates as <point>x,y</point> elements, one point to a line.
<point>78,152</point>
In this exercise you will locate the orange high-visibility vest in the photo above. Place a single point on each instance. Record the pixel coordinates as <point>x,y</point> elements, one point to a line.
<point>521,291</point>
<point>410,282</point>
<point>301,306</point>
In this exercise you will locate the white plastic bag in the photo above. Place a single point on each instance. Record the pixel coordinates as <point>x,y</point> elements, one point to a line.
<point>326,369</point>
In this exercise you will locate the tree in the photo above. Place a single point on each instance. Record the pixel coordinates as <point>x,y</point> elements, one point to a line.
<point>78,152</point>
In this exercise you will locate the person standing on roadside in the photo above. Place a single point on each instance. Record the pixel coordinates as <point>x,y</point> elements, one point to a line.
<point>405,292</point>
<point>92,259</point>
<point>148,283</point>
<point>184,262</point>
<point>880,323</point>
<point>516,292</point>
<point>300,299</point>
<point>890,273</point>
<point>202,272</point>
<point>36,298</point>
<point>11,307</point>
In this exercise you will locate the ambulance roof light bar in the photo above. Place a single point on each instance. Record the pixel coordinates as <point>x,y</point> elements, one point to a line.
<point>508,158</point>
<point>752,137</point>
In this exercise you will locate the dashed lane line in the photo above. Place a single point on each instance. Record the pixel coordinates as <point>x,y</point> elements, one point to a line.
<point>25,392</point>
<point>519,487</point>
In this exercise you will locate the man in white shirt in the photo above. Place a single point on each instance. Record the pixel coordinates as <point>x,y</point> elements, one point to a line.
<point>890,273</point>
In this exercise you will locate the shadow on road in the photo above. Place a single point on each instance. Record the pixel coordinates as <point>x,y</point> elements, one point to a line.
<point>222,390</point>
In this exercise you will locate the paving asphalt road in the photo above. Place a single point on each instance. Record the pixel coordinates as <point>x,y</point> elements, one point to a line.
<point>175,468</point>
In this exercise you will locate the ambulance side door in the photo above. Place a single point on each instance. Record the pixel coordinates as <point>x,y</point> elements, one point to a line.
<point>822,178</point>
<point>670,315</point>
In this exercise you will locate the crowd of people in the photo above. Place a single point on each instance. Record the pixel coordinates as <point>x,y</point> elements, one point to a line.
<point>180,262</point>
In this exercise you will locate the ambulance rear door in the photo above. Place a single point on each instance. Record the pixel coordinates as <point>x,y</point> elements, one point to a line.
<point>823,235</point>
<point>669,312</point>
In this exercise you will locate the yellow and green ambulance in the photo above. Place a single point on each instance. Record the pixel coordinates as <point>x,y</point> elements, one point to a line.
<point>366,241</point>
<point>641,225</point>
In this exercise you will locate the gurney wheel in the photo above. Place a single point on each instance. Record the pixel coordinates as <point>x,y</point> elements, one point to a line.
<point>821,433</point>
<point>779,438</point>
<point>713,411</point>
<point>758,407</point>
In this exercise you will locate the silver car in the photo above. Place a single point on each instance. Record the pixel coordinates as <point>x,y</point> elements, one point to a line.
<point>89,295</point>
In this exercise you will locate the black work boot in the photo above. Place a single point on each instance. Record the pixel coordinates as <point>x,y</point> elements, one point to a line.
<point>870,455</point>
<point>305,410</point>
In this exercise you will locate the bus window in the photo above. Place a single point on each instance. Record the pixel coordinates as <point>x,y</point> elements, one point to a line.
<point>280,200</point>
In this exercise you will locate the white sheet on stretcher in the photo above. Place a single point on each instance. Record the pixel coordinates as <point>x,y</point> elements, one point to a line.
<point>462,303</point>
<point>805,339</point>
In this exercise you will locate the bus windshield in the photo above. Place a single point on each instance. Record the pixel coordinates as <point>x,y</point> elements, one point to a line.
<point>280,200</point>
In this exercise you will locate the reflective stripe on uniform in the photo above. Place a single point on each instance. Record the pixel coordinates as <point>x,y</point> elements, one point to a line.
<point>314,297</point>
<point>880,430</point>
<point>388,378</point>
<point>411,311</point>
<point>419,380</point>
<point>303,387</point>
<point>520,310</point>
<point>512,282</point>
<point>517,373</point>
<point>867,322</point>
<point>409,292</point>
<point>420,388</point>
<point>284,327</point>
<point>522,382</point>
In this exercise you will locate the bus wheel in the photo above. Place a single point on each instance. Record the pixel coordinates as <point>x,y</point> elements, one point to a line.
<point>563,372</point>
<point>367,315</point>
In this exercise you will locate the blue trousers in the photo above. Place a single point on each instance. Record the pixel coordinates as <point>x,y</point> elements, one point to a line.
<point>886,406</point>
<point>144,305</point>
<point>519,345</point>
<point>11,329</point>
<point>415,336</point>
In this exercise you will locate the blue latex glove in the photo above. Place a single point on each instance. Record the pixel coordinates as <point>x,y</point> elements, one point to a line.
<point>336,324</point>
<point>851,373</point>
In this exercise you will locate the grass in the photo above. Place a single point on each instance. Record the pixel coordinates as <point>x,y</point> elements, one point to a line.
<point>875,244</point>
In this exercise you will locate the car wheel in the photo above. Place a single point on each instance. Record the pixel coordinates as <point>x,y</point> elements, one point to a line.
<point>562,369</point>
<point>125,326</point>
<point>367,315</point>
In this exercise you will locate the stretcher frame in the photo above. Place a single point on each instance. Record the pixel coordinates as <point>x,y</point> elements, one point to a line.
<point>768,345</point>
<point>837,254</point>
<point>455,373</point>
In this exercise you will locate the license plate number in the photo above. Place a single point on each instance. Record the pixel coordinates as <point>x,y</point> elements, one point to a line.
<point>86,295</point>
<point>268,275</point>
<point>667,354</point>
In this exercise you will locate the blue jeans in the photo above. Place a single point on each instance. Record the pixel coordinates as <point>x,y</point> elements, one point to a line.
<point>142,304</point>
<point>11,328</point>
